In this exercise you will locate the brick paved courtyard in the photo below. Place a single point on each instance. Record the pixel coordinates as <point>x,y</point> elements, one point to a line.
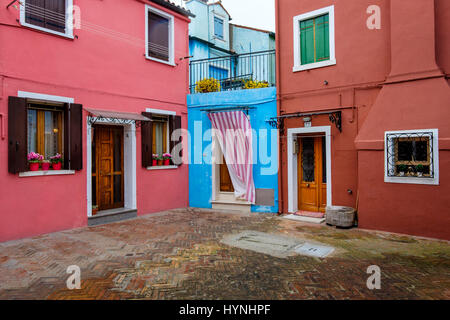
<point>178,255</point>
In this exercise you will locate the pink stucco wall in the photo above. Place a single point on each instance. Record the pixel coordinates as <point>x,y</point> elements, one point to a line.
<point>99,72</point>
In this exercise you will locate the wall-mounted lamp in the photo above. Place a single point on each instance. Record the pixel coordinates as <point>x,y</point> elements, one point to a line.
<point>307,122</point>
<point>325,82</point>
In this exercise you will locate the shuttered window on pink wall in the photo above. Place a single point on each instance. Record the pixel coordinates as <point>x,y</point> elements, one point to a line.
<point>49,14</point>
<point>158,37</point>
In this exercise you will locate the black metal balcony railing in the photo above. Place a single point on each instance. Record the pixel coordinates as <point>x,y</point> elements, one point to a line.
<point>233,71</point>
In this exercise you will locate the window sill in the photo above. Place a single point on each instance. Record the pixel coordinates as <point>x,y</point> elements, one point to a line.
<point>45,173</point>
<point>48,31</point>
<point>314,65</point>
<point>412,180</point>
<point>169,63</point>
<point>162,168</point>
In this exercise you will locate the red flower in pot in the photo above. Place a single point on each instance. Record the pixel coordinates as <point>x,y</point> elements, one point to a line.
<point>34,159</point>
<point>167,157</point>
<point>56,161</point>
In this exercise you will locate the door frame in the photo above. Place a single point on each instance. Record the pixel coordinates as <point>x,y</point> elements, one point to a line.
<point>294,133</point>
<point>129,164</point>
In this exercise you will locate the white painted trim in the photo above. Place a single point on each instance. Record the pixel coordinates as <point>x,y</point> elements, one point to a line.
<point>44,97</point>
<point>45,173</point>
<point>414,180</point>
<point>292,164</point>
<point>161,112</point>
<point>171,61</point>
<point>297,50</point>
<point>69,21</point>
<point>162,167</point>
<point>129,151</point>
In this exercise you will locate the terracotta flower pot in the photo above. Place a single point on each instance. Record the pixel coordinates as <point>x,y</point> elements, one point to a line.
<point>45,166</point>
<point>166,162</point>
<point>34,166</point>
<point>160,162</point>
<point>56,166</point>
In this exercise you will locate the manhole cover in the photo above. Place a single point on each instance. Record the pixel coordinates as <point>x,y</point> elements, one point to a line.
<point>313,250</point>
<point>274,245</point>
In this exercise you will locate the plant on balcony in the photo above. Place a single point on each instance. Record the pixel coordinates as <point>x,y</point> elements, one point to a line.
<point>56,161</point>
<point>255,84</point>
<point>207,85</point>
<point>34,159</point>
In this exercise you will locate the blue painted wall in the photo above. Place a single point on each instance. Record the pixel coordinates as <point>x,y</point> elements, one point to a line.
<point>265,171</point>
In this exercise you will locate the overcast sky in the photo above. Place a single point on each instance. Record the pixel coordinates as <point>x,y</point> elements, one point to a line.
<point>252,13</point>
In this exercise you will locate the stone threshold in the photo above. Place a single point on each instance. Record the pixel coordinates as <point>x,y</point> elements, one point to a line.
<point>112,215</point>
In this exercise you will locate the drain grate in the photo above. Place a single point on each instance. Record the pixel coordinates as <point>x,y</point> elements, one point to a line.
<point>313,250</point>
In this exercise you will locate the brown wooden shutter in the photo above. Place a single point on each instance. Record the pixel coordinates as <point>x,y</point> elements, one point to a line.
<point>55,13</point>
<point>174,124</point>
<point>73,137</point>
<point>17,135</point>
<point>147,141</point>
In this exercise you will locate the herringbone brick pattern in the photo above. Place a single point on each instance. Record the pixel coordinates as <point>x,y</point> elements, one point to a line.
<point>178,255</point>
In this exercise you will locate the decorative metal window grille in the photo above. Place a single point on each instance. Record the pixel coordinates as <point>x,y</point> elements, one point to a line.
<point>410,155</point>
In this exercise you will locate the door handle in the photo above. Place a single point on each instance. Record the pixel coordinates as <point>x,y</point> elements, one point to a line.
<point>307,185</point>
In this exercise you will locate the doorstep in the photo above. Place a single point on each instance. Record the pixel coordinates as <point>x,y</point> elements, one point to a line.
<point>231,206</point>
<point>112,215</point>
<point>304,219</point>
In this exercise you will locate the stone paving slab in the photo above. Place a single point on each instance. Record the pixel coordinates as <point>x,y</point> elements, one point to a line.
<point>179,254</point>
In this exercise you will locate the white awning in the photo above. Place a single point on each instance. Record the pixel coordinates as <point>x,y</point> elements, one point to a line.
<point>117,115</point>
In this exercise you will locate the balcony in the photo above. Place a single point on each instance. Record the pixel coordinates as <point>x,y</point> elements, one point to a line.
<point>234,72</point>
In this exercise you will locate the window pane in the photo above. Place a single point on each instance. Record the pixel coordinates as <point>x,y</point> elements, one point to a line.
<point>218,27</point>
<point>159,126</point>
<point>308,159</point>
<point>32,134</point>
<point>34,12</point>
<point>51,134</point>
<point>405,150</point>
<point>420,150</point>
<point>158,37</point>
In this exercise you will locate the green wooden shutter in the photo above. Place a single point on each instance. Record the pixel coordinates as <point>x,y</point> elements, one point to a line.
<point>322,40</point>
<point>307,41</point>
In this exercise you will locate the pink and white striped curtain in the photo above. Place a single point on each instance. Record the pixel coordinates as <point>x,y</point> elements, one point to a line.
<point>234,133</point>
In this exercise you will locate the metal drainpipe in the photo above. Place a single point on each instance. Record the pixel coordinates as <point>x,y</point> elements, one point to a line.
<point>278,87</point>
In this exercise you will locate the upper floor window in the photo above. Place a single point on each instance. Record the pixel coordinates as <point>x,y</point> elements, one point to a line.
<point>314,39</point>
<point>218,27</point>
<point>53,16</point>
<point>412,156</point>
<point>159,36</point>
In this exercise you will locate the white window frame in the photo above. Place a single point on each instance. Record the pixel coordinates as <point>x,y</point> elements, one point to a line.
<point>69,20</point>
<point>297,49</point>
<point>413,180</point>
<point>171,61</point>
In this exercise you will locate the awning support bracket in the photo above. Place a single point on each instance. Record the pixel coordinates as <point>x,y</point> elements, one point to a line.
<point>334,116</point>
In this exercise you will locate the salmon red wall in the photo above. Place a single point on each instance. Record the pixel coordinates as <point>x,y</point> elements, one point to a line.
<point>100,72</point>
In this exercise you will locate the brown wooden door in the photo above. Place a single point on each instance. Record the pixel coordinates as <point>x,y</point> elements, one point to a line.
<point>312,180</point>
<point>225,180</point>
<point>108,171</point>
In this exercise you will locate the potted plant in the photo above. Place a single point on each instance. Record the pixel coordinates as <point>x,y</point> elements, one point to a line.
<point>94,210</point>
<point>160,160</point>
<point>167,157</point>
<point>34,160</point>
<point>56,161</point>
<point>45,165</point>
<point>154,159</point>
<point>402,169</point>
<point>419,169</point>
